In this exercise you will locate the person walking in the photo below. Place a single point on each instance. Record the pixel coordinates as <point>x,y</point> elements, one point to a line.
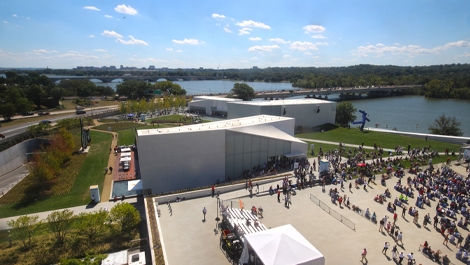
<point>446,239</point>
<point>401,257</point>
<point>213,190</point>
<point>106,170</point>
<point>400,238</point>
<point>110,150</point>
<point>204,211</point>
<point>388,227</point>
<point>364,254</point>
<point>278,195</point>
<point>395,217</point>
<point>384,250</point>
<point>404,212</point>
<point>381,225</point>
<point>394,252</point>
<point>111,170</point>
<point>350,186</point>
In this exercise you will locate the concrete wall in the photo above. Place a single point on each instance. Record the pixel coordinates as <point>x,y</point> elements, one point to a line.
<point>15,156</point>
<point>305,115</point>
<point>221,105</point>
<point>170,162</point>
<point>436,137</point>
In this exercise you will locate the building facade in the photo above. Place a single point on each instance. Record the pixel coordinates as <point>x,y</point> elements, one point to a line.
<point>199,155</point>
<point>207,105</point>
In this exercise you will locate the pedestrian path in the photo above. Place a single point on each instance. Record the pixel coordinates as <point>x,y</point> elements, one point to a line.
<point>76,210</point>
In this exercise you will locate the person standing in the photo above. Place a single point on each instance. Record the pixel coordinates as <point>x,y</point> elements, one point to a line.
<point>446,239</point>
<point>350,186</point>
<point>106,170</point>
<point>204,211</point>
<point>111,170</point>
<point>278,195</point>
<point>404,212</point>
<point>213,190</point>
<point>364,254</point>
<point>395,217</point>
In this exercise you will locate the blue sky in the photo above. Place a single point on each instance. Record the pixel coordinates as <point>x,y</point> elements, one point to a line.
<point>233,34</point>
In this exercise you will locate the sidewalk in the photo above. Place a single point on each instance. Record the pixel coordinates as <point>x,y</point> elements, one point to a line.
<point>76,210</point>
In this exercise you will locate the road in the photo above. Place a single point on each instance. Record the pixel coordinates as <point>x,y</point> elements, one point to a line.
<point>17,129</point>
<point>9,180</point>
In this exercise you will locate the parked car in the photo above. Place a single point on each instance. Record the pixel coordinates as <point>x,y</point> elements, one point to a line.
<point>28,113</point>
<point>78,112</point>
<point>43,113</point>
<point>45,121</point>
<point>2,136</point>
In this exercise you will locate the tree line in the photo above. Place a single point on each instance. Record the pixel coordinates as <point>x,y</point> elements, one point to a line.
<point>20,93</point>
<point>158,104</point>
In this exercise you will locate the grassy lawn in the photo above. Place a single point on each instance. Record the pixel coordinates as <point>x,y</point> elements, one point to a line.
<point>119,126</point>
<point>69,104</point>
<point>90,173</point>
<point>386,140</point>
<point>167,118</point>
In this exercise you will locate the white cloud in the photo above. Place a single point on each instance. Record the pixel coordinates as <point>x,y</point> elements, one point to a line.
<point>6,22</point>
<point>279,40</point>
<point>244,31</point>
<point>408,50</point>
<point>253,24</point>
<point>308,53</point>
<point>315,57</point>
<point>169,49</point>
<point>44,51</point>
<point>188,41</point>
<point>467,54</point>
<point>14,15</point>
<point>91,36</point>
<point>77,56</point>
<point>314,29</point>
<point>319,36</point>
<point>125,9</point>
<point>91,8</point>
<point>132,41</point>
<point>241,61</point>
<point>397,44</point>
<point>255,38</point>
<point>111,34</point>
<point>227,30</point>
<point>217,16</point>
<point>264,48</point>
<point>303,46</point>
<point>108,16</point>
<point>287,56</point>
<point>28,18</point>
<point>217,24</point>
<point>100,50</point>
<point>178,51</point>
<point>254,58</point>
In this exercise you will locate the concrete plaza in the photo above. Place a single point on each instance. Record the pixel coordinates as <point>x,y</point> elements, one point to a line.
<point>190,240</point>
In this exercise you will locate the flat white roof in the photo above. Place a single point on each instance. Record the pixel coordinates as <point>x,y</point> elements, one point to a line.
<point>284,102</point>
<point>218,125</point>
<point>215,98</point>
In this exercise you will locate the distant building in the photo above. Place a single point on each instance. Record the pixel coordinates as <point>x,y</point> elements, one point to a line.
<point>255,67</point>
<point>151,67</point>
<point>201,68</point>
<point>112,67</point>
<point>122,67</point>
<point>143,68</point>
<point>210,105</point>
<point>165,69</point>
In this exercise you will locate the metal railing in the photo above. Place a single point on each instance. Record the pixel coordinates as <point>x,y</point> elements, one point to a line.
<point>333,213</point>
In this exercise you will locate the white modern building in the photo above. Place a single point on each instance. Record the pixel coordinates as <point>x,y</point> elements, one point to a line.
<point>208,105</point>
<point>308,113</point>
<point>198,155</point>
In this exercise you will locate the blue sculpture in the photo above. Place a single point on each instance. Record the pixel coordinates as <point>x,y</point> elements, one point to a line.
<point>364,119</point>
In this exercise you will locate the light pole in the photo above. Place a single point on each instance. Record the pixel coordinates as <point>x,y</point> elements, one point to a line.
<point>9,237</point>
<point>217,203</point>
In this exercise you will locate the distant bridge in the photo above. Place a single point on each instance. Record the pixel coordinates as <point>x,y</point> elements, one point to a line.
<point>109,79</point>
<point>327,91</point>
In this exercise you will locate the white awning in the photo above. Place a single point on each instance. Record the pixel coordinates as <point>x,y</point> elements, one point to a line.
<point>127,149</point>
<point>124,159</point>
<point>134,185</point>
<point>295,155</point>
<point>126,154</point>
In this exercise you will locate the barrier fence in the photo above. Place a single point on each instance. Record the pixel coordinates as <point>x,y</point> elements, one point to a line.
<point>333,213</point>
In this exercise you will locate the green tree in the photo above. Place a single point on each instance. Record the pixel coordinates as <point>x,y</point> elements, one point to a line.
<point>59,222</point>
<point>36,94</point>
<point>23,228</point>
<point>7,110</point>
<point>133,89</point>
<point>446,126</point>
<point>125,216</point>
<point>243,91</point>
<point>91,224</point>
<point>345,113</point>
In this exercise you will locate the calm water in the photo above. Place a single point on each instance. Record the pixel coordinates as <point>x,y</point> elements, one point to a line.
<point>406,113</point>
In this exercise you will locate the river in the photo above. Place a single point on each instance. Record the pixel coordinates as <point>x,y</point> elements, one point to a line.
<point>404,113</point>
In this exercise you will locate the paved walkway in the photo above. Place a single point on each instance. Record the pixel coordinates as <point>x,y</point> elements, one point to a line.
<point>9,180</point>
<point>76,210</point>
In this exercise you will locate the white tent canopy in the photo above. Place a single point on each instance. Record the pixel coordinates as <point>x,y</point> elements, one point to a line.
<point>124,159</point>
<point>126,154</point>
<point>282,245</point>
